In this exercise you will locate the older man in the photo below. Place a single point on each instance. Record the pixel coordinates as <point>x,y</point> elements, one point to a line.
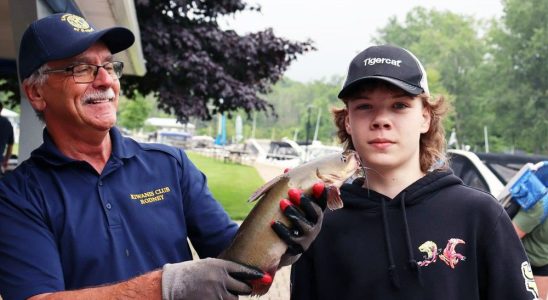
<point>94,215</point>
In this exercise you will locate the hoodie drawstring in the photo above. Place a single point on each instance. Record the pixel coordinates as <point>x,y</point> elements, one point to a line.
<point>392,265</point>
<point>413,265</point>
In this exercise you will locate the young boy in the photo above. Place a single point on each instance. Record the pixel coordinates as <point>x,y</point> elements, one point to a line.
<point>409,228</point>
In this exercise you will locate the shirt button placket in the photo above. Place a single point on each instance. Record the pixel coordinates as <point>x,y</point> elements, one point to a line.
<point>107,205</point>
<point>111,215</point>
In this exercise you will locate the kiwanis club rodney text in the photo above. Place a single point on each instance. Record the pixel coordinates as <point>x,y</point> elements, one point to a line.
<point>151,196</point>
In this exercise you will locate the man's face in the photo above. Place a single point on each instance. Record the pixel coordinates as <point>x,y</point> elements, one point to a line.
<point>80,107</point>
<point>386,125</point>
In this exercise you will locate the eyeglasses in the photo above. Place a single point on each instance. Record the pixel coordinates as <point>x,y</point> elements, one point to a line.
<point>86,73</point>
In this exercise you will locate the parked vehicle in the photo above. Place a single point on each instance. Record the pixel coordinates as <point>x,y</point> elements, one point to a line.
<point>491,172</point>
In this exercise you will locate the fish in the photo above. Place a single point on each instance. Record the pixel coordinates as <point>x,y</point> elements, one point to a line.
<point>255,243</point>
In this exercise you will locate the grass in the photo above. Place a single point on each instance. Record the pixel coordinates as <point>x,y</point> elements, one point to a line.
<point>230,183</point>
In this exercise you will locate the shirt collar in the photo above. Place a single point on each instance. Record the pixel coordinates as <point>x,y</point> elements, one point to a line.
<point>122,148</point>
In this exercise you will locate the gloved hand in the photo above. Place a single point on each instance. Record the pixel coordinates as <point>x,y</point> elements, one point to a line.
<point>209,278</point>
<point>307,221</point>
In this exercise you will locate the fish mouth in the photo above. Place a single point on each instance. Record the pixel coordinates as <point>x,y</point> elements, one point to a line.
<point>348,154</point>
<point>356,166</point>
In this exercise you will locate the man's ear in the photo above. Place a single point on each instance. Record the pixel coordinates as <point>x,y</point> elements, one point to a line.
<point>427,118</point>
<point>34,95</point>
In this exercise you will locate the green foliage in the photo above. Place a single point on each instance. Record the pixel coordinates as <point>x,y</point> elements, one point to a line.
<point>9,90</point>
<point>298,104</point>
<point>294,102</point>
<point>520,64</point>
<point>231,184</point>
<point>133,113</point>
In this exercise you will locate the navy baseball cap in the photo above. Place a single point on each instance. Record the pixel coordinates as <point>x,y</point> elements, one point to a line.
<point>389,63</point>
<point>65,35</point>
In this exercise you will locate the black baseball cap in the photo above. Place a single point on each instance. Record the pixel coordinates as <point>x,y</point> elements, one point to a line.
<point>389,63</point>
<point>64,35</point>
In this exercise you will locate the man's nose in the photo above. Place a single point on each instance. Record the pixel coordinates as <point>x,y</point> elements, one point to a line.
<point>102,78</point>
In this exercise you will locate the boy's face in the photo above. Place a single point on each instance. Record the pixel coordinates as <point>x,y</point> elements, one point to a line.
<point>386,125</point>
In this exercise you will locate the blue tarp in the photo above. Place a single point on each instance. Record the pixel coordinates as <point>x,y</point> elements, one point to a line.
<point>531,187</point>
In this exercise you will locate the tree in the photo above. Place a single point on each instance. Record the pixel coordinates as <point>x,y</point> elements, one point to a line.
<point>9,89</point>
<point>195,68</point>
<point>519,47</point>
<point>294,101</point>
<point>133,114</point>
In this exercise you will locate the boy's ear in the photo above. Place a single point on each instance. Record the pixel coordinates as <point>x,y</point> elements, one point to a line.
<point>427,118</point>
<point>347,125</point>
<point>34,95</point>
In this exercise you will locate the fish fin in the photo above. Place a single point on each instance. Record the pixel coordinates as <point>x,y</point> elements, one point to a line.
<point>260,192</point>
<point>334,200</point>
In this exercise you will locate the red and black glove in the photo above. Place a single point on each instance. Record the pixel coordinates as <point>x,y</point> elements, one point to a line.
<point>306,215</point>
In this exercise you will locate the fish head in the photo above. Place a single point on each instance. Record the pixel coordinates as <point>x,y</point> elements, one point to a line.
<point>333,170</point>
<point>338,168</point>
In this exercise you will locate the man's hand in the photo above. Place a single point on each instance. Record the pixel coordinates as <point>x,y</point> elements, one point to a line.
<point>307,221</point>
<point>209,278</point>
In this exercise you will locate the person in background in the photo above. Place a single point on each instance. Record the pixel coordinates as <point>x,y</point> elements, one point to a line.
<point>409,228</point>
<point>6,140</point>
<point>532,228</point>
<point>95,215</point>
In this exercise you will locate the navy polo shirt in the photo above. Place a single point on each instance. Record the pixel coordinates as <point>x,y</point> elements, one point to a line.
<point>64,226</point>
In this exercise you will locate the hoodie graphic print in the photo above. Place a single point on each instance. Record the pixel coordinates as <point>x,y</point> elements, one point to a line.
<point>437,239</point>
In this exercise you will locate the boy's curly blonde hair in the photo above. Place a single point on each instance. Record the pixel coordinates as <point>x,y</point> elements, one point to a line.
<point>432,143</point>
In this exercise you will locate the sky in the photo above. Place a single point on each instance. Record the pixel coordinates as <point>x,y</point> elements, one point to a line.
<point>339,29</point>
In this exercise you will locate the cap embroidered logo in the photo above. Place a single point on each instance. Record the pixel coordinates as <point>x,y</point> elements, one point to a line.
<point>78,23</point>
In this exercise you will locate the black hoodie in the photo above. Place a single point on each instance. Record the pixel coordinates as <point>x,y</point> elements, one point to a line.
<point>437,239</point>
